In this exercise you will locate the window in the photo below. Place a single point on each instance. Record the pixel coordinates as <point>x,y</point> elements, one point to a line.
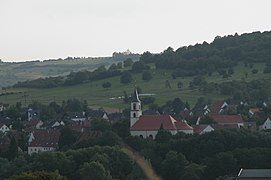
<point>151,136</point>
<point>141,136</point>
<point>134,115</point>
<point>134,106</point>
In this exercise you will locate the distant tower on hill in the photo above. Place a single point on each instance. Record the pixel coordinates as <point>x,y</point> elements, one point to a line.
<point>136,111</point>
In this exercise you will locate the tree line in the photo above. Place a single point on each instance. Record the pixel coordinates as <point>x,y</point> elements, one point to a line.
<point>223,52</point>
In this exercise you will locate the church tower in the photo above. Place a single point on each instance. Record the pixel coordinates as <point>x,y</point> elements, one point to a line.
<point>136,111</point>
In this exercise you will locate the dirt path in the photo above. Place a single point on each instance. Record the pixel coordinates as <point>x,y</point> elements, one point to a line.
<point>141,162</point>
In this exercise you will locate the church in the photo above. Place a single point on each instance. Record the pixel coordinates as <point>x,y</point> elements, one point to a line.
<point>148,125</point>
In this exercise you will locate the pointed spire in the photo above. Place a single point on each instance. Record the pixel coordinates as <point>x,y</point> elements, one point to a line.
<point>135,97</point>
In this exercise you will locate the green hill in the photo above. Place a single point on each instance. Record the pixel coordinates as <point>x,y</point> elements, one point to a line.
<point>235,67</point>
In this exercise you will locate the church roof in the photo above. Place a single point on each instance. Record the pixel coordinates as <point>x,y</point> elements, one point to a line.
<point>153,122</point>
<point>135,97</point>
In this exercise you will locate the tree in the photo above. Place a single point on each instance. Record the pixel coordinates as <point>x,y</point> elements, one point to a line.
<point>254,71</point>
<point>147,57</point>
<point>162,136</point>
<point>107,84</point>
<point>100,125</point>
<point>94,170</point>
<point>13,149</point>
<point>170,166</point>
<point>126,77</point>
<point>67,137</point>
<point>128,62</point>
<point>193,172</point>
<point>121,128</point>
<point>119,65</point>
<point>139,67</point>
<point>146,76</point>
<point>38,175</point>
<point>180,85</point>
<point>167,84</point>
<point>113,67</point>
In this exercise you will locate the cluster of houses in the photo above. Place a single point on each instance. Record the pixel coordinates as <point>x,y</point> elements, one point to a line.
<point>44,136</point>
<point>146,125</point>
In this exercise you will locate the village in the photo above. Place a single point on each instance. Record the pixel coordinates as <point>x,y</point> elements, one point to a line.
<point>35,135</point>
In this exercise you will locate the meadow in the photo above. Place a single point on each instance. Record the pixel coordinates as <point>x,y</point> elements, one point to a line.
<point>97,96</point>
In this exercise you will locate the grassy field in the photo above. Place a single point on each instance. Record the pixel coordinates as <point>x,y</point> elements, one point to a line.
<point>100,97</point>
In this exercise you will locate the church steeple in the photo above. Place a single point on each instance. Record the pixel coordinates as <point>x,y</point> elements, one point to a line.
<point>136,111</point>
<point>135,96</point>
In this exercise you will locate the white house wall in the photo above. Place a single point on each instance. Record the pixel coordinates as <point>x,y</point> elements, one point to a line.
<point>146,134</point>
<point>34,149</point>
<point>266,124</point>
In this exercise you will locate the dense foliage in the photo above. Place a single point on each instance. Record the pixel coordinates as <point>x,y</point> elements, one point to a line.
<point>96,162</point>
<point>222,53</point>
<point>208,156</point>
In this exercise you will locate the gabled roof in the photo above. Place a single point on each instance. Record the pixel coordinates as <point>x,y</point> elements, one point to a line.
<point>227,119</point>
<point>153,122</point>
<point>255,173</point>
<point>96,114</point>
<point>185,113</point>
<point>217,106</point>
<point>200,128</point>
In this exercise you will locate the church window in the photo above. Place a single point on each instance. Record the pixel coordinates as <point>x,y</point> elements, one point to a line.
<point>134,115</point>
<point>134,106</point>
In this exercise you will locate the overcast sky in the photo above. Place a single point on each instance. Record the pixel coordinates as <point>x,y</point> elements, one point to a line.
<point>43,29</point>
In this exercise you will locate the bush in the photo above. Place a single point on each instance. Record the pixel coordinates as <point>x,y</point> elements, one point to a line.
<point>146,76</point>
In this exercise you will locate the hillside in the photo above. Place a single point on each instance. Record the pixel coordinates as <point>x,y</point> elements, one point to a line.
<point>11,73</point>
<point>235,77</point>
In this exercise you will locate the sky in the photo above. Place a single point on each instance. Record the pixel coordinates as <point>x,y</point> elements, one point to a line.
<point>51,29</point>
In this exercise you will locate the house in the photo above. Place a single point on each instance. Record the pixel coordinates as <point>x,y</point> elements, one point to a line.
<point>36,124</point>
<point>32,114</point>
<point>228,119</point>
<point>202,128</point>
<point>148,125</point>
<point>186,114</point>
<point>4,128</point>
<point>58,124</point>
<point>97,114</point>
<point>253,111</point>
<point>43,140</point>
<point>219,107</point>
<point>80,126</point>
<point>76,116</point>
<point>266,124</point>
<point>250,174</point>
<point>251,125</point>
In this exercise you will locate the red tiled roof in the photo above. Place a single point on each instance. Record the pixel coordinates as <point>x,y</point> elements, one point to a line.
<point>153,122</point>
<point>217,106</point>
<point>45,138</point>
<point>227,119</point>
<point>254,110</point>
